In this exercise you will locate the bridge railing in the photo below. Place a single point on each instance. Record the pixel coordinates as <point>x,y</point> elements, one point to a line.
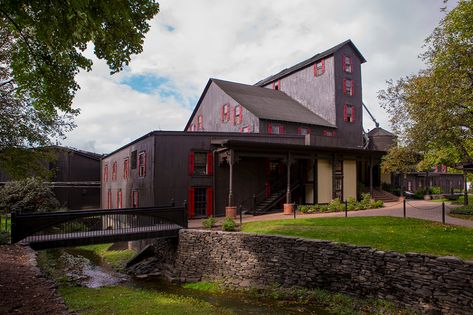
<point>40,227</point>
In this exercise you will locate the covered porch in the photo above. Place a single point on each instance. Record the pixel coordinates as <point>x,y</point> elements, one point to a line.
<point>262,177</point>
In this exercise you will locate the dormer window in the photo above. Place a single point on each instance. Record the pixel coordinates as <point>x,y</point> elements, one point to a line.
<point>225,114</point>
<point>237,115</point>
<point>319,68</point>
<point>347,64</point>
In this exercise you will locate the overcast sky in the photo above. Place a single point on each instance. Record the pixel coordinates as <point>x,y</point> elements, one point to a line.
<point>243,41</point>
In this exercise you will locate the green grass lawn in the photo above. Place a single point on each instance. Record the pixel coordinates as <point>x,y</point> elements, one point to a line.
<point>456,202</point>
<point>120,300</point>
<point>384,233</point>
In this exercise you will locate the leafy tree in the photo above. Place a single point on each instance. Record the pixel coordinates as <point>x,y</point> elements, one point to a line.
<point>400,159</point>
<point>42,46</point>
<point>28,195</point>
<point>432,111</point>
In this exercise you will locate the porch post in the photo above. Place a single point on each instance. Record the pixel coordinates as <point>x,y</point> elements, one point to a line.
<point>230,210</point>
<point>371,177</point>
<point>230,184</point>
<point>288,191</point>
<point>288,206</point>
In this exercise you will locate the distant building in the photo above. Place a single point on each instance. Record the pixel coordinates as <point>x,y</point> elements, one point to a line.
<point>76,178</point>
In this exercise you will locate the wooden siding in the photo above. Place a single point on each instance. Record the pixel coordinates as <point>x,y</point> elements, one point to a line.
<point>210,109</point>
<point>143,185</point>
<point>315,93</point>
<point>350,132</point>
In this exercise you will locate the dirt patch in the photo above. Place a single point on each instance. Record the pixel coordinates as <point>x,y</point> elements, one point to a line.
<point>23,289</point>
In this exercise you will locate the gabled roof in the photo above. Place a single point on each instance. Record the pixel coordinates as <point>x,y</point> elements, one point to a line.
<point>310,61</point>
<point>378,131</point>
<point>270,104</point>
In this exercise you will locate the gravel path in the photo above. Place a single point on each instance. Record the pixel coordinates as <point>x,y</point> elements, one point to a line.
<point>427,210</point>
<point>23,290</point>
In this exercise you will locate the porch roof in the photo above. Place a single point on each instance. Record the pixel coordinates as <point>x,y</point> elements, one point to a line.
<point>255,146</point>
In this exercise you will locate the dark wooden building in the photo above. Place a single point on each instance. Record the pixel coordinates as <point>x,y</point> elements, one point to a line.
<point>75,177</point>
<point>294,136</point>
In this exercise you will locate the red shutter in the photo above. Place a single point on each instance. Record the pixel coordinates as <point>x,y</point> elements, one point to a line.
<point>273,85</point>
<point>190,163</point>
<point>315,69</point>
<point>144,170</point>
<point>281,130</point>
<point>222,113</point>
<point>309,131</point>
<point>210,208</point>
<point>299,130</point>
<point>323,66</point>
<point>351,64</point>
<point>352,91</point>
<point>344,65</point>
<point>210,163</point>
<point>279,85</point>
<point>234,114</point>
<point>334,133</point>
<point>344,86</point>
<point>241,115</point>
<point>190,203</point>
<point>270,128</point>
<point>345,112</point>
<point>353,114</point>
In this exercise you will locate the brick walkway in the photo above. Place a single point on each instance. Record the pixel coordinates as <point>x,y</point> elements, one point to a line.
<point>427,210</point>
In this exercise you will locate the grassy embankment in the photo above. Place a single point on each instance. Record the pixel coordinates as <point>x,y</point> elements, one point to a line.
<point>384,233</point>
<point>125,300</point>
<point>118,299</point>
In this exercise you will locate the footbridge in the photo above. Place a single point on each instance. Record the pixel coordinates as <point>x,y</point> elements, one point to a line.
<point>75,228</point>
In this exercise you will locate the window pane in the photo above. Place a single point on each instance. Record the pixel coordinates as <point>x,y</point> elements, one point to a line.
<point>200,201</point>
<point>200,163</point>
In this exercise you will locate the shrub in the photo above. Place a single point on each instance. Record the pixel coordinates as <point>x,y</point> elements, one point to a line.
<point>305,209</point>
<point>465,210</point>
<point>352,203</point>
<point>228,224</point>
<point>209,222</point>
<point>335,205</point>
<point>435,190</point>
<point>28,195</point>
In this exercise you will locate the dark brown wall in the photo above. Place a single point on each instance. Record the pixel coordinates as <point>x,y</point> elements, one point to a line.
<point>351,133</point>
<point>144,185</point>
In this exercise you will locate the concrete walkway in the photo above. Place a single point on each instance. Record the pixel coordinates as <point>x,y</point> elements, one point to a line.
<point>427,210</point>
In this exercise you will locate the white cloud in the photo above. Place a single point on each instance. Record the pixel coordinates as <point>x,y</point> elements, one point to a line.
<point>245,41</point>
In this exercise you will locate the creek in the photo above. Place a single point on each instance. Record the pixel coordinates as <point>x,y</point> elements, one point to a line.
<point>85,268</point>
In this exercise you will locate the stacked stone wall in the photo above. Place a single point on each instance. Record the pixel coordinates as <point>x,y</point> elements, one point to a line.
<point>429,283</point>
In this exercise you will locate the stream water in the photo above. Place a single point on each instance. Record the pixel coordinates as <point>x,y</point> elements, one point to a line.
<point>88,269</point>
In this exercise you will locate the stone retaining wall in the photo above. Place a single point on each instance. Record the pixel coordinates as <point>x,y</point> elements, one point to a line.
<point>425,282</point>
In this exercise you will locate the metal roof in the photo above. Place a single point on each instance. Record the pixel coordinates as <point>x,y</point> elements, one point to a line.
<point>270,104</point>
<point>310,61</point>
